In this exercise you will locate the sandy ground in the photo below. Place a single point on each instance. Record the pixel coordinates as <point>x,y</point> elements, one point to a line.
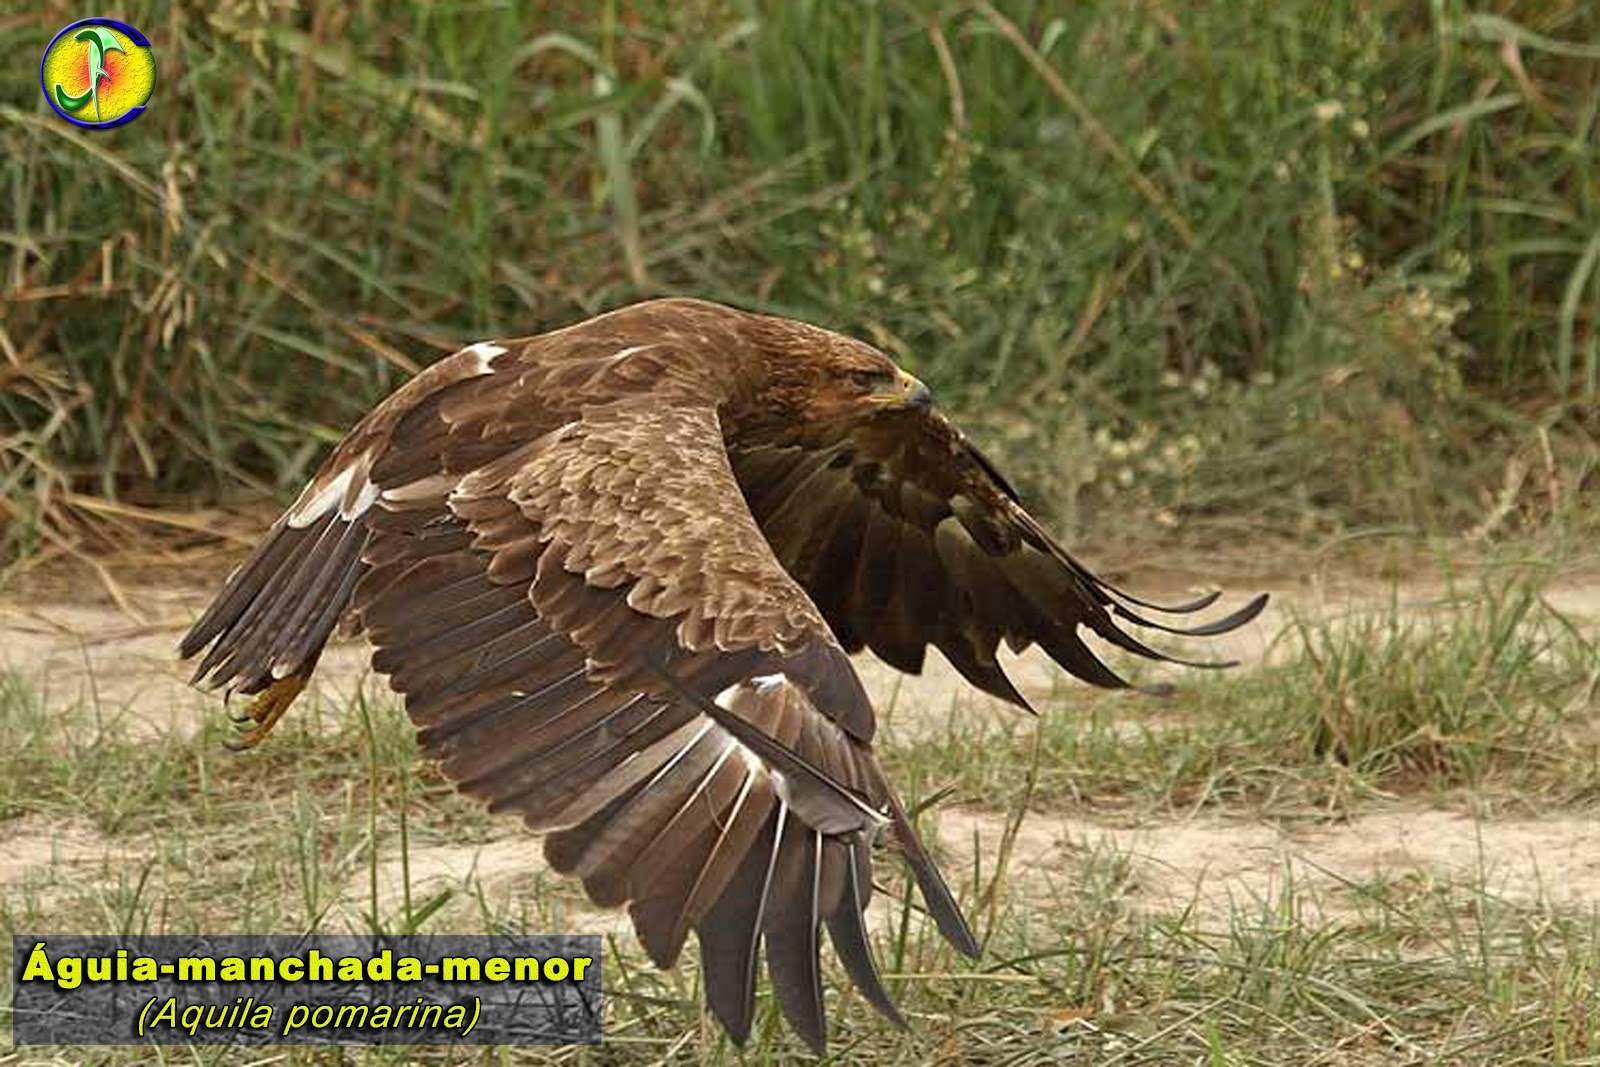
<point>92,651</point>
<point>88,651</point>
<point>1220,864</point>
<point>1212,863</point>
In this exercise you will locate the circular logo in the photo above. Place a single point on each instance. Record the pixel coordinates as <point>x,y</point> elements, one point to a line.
<point>98,73</point>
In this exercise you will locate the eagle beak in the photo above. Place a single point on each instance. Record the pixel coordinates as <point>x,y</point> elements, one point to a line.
<point>912,392</point>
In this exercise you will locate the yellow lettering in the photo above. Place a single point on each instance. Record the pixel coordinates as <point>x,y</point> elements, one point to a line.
<point>461,969</point>
<point>167,1014</point>
<point>38,968</point>
<point>351,1015</point>
<point>197,969</point>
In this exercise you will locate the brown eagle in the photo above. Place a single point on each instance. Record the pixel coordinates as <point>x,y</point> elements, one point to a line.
<point>617,571</point>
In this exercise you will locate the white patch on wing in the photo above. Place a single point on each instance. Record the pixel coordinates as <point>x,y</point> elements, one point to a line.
<point>344,493</point>
<point>760,683</point>
<point>308,509</point>
<point>423,488</point>
<point>361,503</point>
<point>623,353</point>
<point>485,351</point>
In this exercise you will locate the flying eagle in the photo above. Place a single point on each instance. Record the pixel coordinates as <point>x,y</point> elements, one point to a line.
<point>617,571</point>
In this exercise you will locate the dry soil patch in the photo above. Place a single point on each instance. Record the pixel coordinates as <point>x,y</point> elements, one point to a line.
<point>1221,863</point>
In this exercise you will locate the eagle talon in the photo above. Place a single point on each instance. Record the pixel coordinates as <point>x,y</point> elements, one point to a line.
<point>243,743</point>
<point>264,712</point>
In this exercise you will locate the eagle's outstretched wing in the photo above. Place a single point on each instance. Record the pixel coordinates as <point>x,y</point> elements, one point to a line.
<point>906,536</point>
<point>606,646</point>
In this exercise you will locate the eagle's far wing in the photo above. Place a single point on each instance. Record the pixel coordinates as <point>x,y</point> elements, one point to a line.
<point>615,654</point>
<point>905,535</point>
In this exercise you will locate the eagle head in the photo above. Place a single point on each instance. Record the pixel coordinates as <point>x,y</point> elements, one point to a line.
<point>814,377</point>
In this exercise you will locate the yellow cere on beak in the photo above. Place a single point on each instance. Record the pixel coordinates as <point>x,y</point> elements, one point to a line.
<point>911,392</point>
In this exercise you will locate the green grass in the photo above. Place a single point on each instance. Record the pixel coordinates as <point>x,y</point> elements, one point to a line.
<point>1268,229</point>
<point>1486,701</point>
<point>1490,689</point>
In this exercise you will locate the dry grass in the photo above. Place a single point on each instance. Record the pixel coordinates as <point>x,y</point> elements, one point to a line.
<point>335,826</point>
<point>1492,690</point>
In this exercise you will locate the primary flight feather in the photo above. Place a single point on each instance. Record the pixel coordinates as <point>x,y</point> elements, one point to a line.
<point>617,571</point>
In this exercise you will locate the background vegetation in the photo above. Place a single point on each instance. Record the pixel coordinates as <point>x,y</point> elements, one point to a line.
<point>1319,263</point>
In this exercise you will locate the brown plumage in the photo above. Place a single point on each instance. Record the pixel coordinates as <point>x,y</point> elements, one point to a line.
<point>616,571</point>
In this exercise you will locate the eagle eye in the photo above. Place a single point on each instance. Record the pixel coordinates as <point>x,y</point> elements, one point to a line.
<point>869,379</point>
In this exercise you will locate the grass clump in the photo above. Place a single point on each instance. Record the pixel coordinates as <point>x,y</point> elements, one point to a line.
<point>1502,679</point>
<point>1491,690</point>
<point>90,763</point>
